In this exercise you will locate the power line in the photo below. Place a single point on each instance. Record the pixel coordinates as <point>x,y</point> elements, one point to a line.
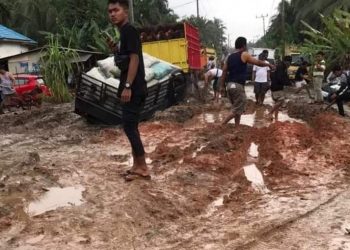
<point>263,18</point>
<point>181,5</point>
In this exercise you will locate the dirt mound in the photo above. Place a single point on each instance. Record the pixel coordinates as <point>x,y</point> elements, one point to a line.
<point>179,114</point>
<point>328,125</point>
<point>47,117</point>
<point>304,111</point>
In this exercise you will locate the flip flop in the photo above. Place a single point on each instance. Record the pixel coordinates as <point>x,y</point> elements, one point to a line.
<point>127,172</point>
<point>135,176</point>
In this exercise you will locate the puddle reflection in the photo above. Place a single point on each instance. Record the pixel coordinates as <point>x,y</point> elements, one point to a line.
<point>254,175</point>
<point>55,198</point>
<point>253,150</point>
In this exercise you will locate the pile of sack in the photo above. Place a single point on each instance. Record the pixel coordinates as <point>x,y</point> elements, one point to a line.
<point>155,71</point>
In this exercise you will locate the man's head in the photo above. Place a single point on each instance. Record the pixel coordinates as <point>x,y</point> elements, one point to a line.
<point>262,57</point>
<point>265,53</point>
<point>287,60</point>
<point>241,43</point>
<point>319,56</point>
<point>304,64</point>
<point>118,11</point>
<point>337,70</point>
<point>212,66</point>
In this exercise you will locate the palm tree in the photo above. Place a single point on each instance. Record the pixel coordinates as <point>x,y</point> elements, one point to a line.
<point>32,16</point>
<point>5,13</point>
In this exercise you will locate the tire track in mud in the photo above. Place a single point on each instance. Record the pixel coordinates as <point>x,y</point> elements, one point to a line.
<point>283,225</point>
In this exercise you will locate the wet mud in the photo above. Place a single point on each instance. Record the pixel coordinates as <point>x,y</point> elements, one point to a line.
<point>213,186</point>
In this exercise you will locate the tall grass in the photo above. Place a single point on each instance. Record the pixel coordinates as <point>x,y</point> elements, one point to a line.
<point>56,65</point>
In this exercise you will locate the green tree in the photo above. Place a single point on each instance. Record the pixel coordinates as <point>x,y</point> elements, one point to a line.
<point>5,13</point>
<point>297,11</point>
<point>334,40</point>
<point>212,32</point>
<point>153,12</point>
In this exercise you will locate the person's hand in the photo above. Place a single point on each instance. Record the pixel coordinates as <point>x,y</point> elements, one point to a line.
<point>334,96</point>
<point>111,44</point>
<point>272,67</point>
<point>126,95</point>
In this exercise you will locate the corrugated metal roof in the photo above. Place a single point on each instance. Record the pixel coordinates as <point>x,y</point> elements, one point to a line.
<point>11,35</point>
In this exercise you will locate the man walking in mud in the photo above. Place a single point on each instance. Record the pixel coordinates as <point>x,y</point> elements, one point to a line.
<point>133,87</point>
<point>236,68</point>
<point>279,79</point>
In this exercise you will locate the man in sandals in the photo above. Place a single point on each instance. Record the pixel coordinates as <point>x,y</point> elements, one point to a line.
<point>133,87</point>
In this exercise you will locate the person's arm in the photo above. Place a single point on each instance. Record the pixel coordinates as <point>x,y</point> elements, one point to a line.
<point>247,58</point>
<point>223,77</point>
<point>133,67</point>
<point>344,85</point>
<point>133,45</point>
<point>254,73</point>
<point>13,80</point>
<point>269,76</point>
<point>206,78</point>
<point>330,77</point>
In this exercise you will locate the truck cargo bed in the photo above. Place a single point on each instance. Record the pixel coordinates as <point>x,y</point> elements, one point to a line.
<point>98,101</point>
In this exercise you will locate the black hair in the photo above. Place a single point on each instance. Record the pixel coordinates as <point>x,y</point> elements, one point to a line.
<point>336,67</point>
<point>240,42</point>
<point>320,53</point>
<point>287,59</point>
<point>304,63</point>
<point>211,58</point>
<point>261,56</point>
<point>265,51</point>
<point>123,3</point>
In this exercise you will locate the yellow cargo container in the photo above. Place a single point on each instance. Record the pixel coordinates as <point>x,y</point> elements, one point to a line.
<point>173,51</point>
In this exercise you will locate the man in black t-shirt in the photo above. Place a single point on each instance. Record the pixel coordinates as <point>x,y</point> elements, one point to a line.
<point>133,87</point>
<point>279,79</point>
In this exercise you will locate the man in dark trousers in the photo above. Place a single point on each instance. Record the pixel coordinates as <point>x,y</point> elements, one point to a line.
<point>133,87</point>
<point>236,68</point>
<point>279,79</point>
<point>343,94</point>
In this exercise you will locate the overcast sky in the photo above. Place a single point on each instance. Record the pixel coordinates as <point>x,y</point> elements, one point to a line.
<point>239,16</point>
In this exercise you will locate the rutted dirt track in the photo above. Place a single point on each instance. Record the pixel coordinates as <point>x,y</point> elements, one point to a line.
<point>282,185</point>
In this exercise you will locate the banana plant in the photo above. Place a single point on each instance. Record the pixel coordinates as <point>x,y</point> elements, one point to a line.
<point>333,40</point>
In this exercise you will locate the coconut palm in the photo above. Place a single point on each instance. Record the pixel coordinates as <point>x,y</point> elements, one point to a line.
<point>5,12</point>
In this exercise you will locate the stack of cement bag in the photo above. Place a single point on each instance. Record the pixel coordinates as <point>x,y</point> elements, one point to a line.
<point>155,70</point>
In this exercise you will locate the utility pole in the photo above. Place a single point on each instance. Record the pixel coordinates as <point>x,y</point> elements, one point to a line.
<point>197,8</point>
<point>131,11</point>
<point>228,41</point>
<point>263,18</point>
<point>283,29</point>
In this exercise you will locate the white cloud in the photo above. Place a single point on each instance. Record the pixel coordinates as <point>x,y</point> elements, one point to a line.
<point>239,16</point>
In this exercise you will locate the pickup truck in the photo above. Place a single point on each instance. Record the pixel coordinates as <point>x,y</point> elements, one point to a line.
<point>98,101</point>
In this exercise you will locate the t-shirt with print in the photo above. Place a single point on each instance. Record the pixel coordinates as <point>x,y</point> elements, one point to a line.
<point>130,43</point>
<point>261,73</point>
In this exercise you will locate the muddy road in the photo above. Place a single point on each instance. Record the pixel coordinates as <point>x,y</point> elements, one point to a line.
<point>280,185</point>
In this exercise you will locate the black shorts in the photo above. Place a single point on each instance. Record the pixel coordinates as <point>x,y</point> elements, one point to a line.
<point>261,87</point>
<point>132,109</point>
<point>216,85</point>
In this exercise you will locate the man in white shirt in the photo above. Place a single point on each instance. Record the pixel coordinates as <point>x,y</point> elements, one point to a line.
<point>261,77</point>
<point>211,63</point>
<point>213,75</point>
